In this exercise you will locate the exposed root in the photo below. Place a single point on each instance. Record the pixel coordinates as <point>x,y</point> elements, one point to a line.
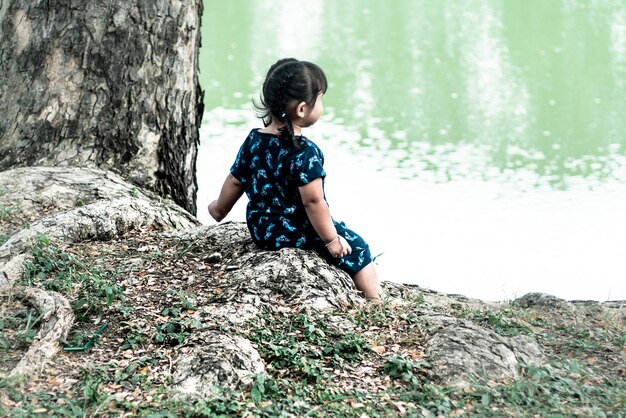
<point>57,319</point>
<point>99,221</point>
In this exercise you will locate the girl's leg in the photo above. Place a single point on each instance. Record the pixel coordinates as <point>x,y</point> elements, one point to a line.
<point>366,280</point>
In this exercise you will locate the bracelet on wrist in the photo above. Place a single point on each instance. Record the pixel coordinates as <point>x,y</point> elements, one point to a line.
<point>335,239</point>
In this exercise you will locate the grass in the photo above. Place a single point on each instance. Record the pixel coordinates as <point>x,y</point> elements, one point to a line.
<point>18,328</point>
<point>8,215</point>
<point>91,289</point>
<point>303,354</point>
<point>347,363</point>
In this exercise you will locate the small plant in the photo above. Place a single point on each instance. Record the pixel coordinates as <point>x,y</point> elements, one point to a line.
<point>407,370</point>
<point>134,335</point>
<point>264,387</point>
<point>19,329</point>
<point>181,303</point>
<point>178,326</point>
<point>90,288</point>
<point>174,331</point>
<point>6,211</point>
<point>77,338</point>
<point>350,346</point>
<point>498,322</point>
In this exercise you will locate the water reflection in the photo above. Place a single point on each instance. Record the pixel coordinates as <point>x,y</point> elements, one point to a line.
<point>522,96</point>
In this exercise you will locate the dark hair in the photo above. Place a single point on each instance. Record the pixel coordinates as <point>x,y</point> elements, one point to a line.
<point>289,80</point>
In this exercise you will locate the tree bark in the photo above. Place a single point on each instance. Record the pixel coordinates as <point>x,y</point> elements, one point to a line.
<point>111,85</point>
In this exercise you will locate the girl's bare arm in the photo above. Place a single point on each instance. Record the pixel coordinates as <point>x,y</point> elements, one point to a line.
<point>230,193</point>
<point>317,210</point>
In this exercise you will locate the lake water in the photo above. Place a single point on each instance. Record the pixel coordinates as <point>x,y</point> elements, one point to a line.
<point>479,145</point>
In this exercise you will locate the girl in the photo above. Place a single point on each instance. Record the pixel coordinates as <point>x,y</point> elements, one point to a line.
<point>282,174</point>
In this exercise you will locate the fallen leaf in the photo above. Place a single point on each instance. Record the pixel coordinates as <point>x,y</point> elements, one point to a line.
<point>400,407</point>
<point>8,402</point>
<point>378,348</point>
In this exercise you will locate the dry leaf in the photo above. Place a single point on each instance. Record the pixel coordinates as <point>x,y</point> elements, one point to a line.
<point>400,407</point>
<point>378,348</point>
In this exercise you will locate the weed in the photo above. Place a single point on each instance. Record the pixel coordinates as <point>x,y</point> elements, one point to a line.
<point>502,322</point>
<point>7,211</point>
<point>407,370</point>
<point>302,345</point>
<point>264,387</point>
<point>134,335</point>
<point>174,331</point>
<point>18,329</point>
<point>554,389</point>
<point>90,288</point>
<point>378,316</point>
<point>178,326</point>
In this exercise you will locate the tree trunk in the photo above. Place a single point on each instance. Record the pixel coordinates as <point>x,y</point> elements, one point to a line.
<point>111,85</point>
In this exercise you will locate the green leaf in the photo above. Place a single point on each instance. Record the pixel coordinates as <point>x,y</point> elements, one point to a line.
<point>256,394</point>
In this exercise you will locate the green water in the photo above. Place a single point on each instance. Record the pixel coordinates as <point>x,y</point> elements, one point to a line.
<point>480,144</point>
<point>533,84</point>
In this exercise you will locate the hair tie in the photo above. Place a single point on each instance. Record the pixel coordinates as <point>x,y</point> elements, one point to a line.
<point>282,115</point>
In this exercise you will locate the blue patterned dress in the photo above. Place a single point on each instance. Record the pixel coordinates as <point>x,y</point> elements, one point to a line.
<point>276,218</point>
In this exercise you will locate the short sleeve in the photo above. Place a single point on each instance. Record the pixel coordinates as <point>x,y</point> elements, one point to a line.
<point>241,167</point>
<point>308,165</point>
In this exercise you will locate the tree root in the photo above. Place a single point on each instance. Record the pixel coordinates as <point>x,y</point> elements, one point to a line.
<point>56,322</point>
<point>102,220</point>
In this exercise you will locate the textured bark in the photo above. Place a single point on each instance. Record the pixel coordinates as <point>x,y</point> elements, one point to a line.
<point>254,281</point>
<point>461,350</point>
<point>259,278</point>
<point>13,270</point>
<point>57,321</point>
<point>99,221</point>
<point>103,84</point>
<point>218,361</point>
<point>32,192</point>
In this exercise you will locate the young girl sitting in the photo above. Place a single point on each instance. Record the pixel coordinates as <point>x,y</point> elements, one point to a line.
<point>282,173</point>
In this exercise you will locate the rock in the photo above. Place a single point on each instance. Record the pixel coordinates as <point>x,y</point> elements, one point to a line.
<point>286,277</point>
<point>218,360</point>
<point>542,300</point>
<point>233,314</point>
<point>459,350</point>
<point>213,258</point>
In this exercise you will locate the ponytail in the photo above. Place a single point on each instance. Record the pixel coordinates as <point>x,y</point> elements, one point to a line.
<point>289,80</point>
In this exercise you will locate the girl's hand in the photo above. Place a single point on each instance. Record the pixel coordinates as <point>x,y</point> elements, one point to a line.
<point>339,247</point>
